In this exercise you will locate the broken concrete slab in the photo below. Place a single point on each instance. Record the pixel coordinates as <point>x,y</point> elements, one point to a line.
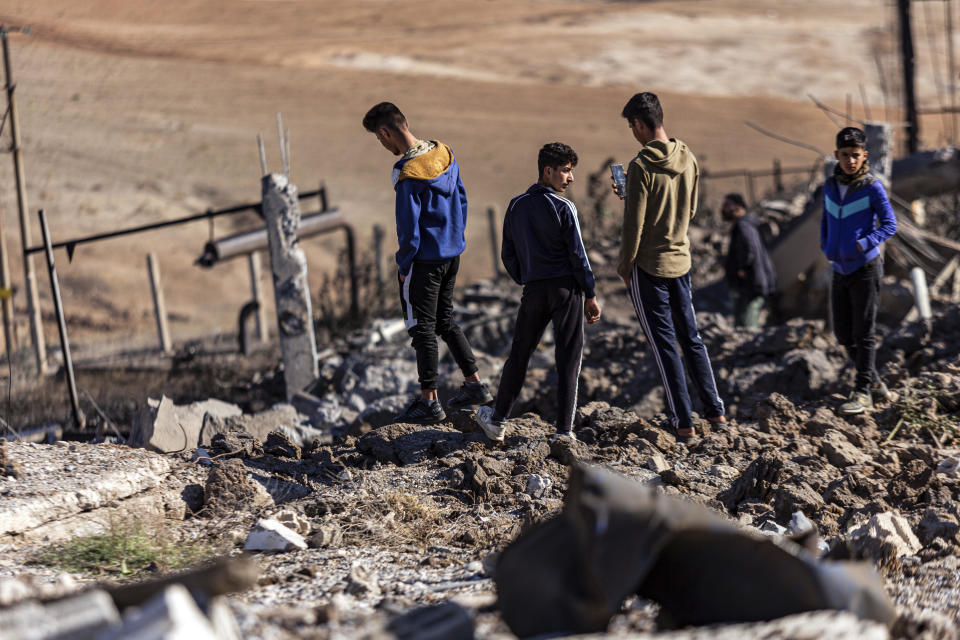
<point>169,615</point>
<point>166,427</point>
<point>270,535</point>
<point>60,482</point>
<point>85,616</point>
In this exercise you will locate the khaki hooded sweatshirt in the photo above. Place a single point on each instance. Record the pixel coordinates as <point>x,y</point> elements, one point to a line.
<point>662,184</point>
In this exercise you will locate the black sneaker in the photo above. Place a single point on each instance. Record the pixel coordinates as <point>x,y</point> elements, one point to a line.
<point>471,394</point>
<point>421,411</point>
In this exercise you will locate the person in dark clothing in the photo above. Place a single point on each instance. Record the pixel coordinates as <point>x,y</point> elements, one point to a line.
<point>749,271</point>
<point>543,250</point>
<point>431,212</point>
<point>857,219</point>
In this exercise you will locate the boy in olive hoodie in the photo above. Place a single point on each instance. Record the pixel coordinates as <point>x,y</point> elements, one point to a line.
<point>660,200</point>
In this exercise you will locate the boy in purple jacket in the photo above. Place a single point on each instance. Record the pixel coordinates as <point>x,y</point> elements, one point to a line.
<point>857,219</point>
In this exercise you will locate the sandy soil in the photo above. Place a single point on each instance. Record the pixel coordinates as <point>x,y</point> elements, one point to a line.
<point>138,112</point>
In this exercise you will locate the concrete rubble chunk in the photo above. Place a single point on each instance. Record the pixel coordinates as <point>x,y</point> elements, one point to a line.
<point>326,535</point>
<point>171,615</point>
<point>13,590</point>
<point>839,451</point>
<point>270,535</point>
<point>81,617</point>
<point>281,417</point>
<point>537,485</point>
<point>230,489</point>
<point>166,427</point>
<point>288,263</point>
<point>657,463</point>
<point>889,528</point>
<point>950,466</point>
<point>294,521</point>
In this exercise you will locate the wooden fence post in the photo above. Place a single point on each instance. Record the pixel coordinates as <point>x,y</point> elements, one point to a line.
<point>159,306</point>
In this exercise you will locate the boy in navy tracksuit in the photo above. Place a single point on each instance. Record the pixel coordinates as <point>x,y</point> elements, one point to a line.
<point>857,219</point>
<point>543,250</point>
<point>431,212</point>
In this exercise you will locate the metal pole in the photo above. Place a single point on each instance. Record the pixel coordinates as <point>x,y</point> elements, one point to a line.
<point>909,84</point>
<point>952,65</point>
<point>30,276</point>
<point>777,176</point>
<point>352,267</point>
<point>379,265</point>
<point>256,290</point>
<point>492,219</point>
<point>78,417</point>
<point>159,306</point>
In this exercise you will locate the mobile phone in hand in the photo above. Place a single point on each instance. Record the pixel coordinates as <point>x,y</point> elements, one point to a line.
<point>619,178</point>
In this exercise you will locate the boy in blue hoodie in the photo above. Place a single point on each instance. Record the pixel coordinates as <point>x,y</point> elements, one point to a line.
<point>431,212</point>
<point>857,219</point>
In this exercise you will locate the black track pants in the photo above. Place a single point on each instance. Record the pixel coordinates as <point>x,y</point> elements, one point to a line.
<point>558,300</point>
<point>855,298</point>
<point>426,301</point>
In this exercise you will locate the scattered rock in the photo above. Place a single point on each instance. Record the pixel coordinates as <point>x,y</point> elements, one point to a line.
<point>326,535</point>
<point>362,581</point>
<point>938,523</point>
<point>165,427</point>
<point>279,444</point>
<point>293,520</point>
<point>839,451</point>
<point>230,490</point>
<point>883,533</point>
<point>270,535</point>
<point>537,485</point>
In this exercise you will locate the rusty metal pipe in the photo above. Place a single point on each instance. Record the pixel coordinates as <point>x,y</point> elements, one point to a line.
<point>246,242</point>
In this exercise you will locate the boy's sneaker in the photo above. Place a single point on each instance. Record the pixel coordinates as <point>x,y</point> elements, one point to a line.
<point>470,394</point>
<point>421,411</point>
<point>563,436</point>
<point>493,427</point>
<point>858,403</point>
<point>881,393</point>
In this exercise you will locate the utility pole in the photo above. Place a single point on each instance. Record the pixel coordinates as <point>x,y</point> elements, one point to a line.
<point>29,274</point>
<point>909,83</point>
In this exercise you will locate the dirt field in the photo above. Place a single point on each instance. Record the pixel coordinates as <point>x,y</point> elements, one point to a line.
<point>138,112</point>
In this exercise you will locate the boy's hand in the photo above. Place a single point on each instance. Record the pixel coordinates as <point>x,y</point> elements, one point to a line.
<point>402,277</point>
<point>613,185</point>
<point>591,310</point>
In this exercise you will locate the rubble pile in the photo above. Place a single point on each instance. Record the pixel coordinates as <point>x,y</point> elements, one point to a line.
<point>362,527</point>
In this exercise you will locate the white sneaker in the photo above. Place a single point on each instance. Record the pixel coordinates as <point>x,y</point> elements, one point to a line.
<point>494,429</point>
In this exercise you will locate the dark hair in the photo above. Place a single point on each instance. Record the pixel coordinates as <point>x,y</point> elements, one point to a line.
<point>736,199</point>
<point>555,154</point>
<point>385,114</point>
<point>646,108</point>
<point>851,137</point>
